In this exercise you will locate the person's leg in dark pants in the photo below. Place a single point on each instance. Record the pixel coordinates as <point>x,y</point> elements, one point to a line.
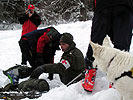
<point>50,76</point>
<point>100,27</point>
<point>27,52</point>
<point>50,60</point>
<point>24,60</point>
<point>122,27</point>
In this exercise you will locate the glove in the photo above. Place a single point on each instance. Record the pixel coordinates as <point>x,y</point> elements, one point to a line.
<point>37,72</point>
<point>39,59</point>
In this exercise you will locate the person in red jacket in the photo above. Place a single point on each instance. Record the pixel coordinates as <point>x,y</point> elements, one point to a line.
<point>38,47</point>
<point>115,19</point>
<point>30,21</point>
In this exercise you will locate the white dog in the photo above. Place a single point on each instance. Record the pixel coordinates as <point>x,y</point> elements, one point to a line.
<point>115,62</point>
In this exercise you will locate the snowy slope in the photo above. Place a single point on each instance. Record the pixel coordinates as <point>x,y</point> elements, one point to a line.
<point>10,55</point>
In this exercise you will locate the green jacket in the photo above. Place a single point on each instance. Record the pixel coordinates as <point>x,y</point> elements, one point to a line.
<point>71,64</point>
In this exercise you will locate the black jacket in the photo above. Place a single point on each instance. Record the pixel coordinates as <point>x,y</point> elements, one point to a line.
<point>100,4</point>
<point>35,18</point>
<point>47,46</point>
<point>29,23</point>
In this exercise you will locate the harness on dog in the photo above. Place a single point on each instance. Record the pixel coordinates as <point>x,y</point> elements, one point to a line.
<point>129,74</point>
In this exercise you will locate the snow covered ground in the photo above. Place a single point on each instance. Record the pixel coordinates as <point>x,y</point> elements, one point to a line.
<point>10,55</point>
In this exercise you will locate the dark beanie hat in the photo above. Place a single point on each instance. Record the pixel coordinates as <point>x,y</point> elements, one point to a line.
<point>66,38</point>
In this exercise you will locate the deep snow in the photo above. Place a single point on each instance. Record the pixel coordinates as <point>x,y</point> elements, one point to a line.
<point>10,55</point>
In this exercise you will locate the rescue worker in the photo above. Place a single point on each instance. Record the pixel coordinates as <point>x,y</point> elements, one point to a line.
<point>113,18</point>
<point>30,21</point>
<point>70,65</point>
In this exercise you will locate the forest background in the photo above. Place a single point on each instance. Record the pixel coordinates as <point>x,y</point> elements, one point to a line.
<point>52,12</point>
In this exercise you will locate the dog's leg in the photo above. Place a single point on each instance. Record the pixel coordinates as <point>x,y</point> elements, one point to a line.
<point>121,97</point>
<point>127,97</point>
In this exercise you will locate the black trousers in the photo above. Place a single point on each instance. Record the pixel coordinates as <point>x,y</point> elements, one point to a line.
<point>27,52</point>
<point>115,21</point>
<point>24,60</point>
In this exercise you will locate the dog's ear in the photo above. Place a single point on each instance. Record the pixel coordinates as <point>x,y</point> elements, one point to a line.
<point>96,48</point>
<point>94,45</point>
<point>106,42</point>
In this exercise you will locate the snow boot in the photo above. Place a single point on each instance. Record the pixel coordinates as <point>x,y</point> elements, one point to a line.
<point>88,82</point>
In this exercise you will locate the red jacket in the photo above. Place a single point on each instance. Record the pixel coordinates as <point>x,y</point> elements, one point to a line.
<point>29,23</point>
<point>42,41</point>
<point>28,26</point>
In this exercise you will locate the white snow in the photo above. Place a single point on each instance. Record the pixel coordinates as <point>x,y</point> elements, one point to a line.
<point>10,55</point>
